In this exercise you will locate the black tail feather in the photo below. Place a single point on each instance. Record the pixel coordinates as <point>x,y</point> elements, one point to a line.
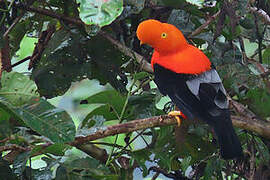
<point>230,146</point>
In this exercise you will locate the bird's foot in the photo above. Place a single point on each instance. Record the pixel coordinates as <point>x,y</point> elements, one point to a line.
<point>177,115</point>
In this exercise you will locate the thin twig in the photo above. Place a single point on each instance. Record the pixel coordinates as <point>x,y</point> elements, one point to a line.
<point>125,148</point>
<point>204,25</point>
<point>12,25</point>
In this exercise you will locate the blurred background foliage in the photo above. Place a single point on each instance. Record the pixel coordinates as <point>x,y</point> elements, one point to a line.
<point>68,68</point>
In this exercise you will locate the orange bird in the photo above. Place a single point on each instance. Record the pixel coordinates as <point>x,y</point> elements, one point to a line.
<point>186,75</point>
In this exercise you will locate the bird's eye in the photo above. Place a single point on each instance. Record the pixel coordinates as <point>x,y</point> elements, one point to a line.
<point>164,35</point>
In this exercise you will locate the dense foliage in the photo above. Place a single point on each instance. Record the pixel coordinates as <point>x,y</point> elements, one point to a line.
<point>69,69</point>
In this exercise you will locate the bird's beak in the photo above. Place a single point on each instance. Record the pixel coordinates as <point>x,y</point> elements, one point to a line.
<point>141,43</point>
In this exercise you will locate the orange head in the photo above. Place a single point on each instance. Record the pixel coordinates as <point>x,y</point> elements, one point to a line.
<point>163,37</point>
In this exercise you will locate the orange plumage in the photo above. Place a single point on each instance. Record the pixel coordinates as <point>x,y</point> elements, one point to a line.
<point>171,48</point>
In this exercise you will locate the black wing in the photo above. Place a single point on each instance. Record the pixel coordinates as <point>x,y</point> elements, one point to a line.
<point>204,97</point>
<point>199,96</point>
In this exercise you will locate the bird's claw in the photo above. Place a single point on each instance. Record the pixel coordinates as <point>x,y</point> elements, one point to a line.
<point>176,114</point>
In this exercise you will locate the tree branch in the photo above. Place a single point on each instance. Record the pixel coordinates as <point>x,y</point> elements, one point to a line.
<point>51,14</point>
<point>130,126</point>
<point>128,52</point>
<point>253,124</point>
<point>260,127</point>
<point>261,13</point>
<point>13,147</point>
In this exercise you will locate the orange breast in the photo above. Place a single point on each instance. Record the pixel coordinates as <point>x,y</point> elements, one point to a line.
<point>190,60</point>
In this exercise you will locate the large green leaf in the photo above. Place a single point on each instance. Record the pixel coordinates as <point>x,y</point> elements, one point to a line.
<point>17,88</point>
<point>71,56</point>
<point>100,12</point>
<point>55,149</point>
<point>111,109</point>
<point>43,118</point>
<point>111,97</point>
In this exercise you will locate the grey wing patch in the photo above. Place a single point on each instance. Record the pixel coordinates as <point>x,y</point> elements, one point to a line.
<point>221,100</point>
<point>210,77</point>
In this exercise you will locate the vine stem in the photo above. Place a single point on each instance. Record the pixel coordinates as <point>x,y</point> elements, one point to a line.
<point>109,160</point>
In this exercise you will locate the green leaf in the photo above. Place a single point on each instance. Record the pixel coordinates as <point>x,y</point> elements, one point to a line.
<point>213,169</point>
<point>3,115</point>
<point>180,19</point>
<point>196,144</point>
<point>72,56</point>
<point>86,168</point>
<point>43,118</point>
<point>105,111</point>
<point>247,23</point>
<point>55,149</point>
<point>263,150</point>
<point>26,47</point>
<point>100,12</point>
<point>140,75</point>
<point>266,56</point>
<point>62,56</point>
<point>17,88</point>
<point>143,106</point>
<point>5,127</point>
<point>259,101</point>
<point>111,97</point>
<point>112,108</point>
<point>141,156</point>
<point>221,54</point>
